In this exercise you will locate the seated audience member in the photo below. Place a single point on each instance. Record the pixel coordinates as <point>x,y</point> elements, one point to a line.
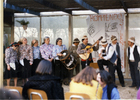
<point>8,95</point>
<point>109,89</point>
<point>85,82</point>
<point>43,80</point>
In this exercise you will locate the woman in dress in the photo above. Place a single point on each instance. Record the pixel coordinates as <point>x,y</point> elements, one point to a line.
<point>11,59</point>
<point>25,59</point>
<point>36,56</point>
<point>60,69</point>
<point>46,50</point>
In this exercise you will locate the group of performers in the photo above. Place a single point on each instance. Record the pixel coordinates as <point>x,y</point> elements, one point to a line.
<point>23,59</point>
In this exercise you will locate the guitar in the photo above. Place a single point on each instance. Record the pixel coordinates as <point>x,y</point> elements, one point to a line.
<point>86,55</point>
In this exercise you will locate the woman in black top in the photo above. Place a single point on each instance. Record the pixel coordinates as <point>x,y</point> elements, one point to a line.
<point>43,80</point>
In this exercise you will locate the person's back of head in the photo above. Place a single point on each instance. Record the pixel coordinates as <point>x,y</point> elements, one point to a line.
<point>44,67</point>
<point>7,95</point>
<point>106,77</point>
<point>86,76</point>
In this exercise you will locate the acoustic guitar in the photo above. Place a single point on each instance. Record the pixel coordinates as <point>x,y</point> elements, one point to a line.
<point>86,55</point>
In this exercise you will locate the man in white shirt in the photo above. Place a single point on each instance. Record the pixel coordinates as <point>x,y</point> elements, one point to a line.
<point>107,57</point>
<point>116,46</point>
<point>134,58</point>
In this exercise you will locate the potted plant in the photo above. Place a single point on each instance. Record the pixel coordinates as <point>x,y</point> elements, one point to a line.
<point>23,23</point>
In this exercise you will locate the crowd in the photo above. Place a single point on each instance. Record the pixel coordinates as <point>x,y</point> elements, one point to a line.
<point>41,67</point>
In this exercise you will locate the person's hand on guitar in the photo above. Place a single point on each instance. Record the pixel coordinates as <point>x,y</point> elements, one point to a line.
<point>97,42</point>
<point>89,51</point>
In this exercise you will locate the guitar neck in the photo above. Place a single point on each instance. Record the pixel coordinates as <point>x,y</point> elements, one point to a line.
<point>94,44</point>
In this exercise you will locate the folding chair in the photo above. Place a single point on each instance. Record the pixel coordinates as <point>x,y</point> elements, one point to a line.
<point>15,89</point>
<point>37,94</point>
<point>76,96</point>
<point>94,65</point>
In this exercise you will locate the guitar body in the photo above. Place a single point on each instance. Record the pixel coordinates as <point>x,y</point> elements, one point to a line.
<point>89,47</point>
<point>86,55</point>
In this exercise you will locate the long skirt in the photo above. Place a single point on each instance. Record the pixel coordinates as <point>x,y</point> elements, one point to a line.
<point>60,70</point>
<point>11,73</point>
<point>34,66</point>
<point>26,69</point>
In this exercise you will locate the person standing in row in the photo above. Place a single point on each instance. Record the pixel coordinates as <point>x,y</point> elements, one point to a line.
<point>36,56</point>
<point>133,59</point>
<point>72,50</point>
<point>26,59</point>
<point>81,50</point>
<point>46,50</point>
<point>116,46</point>
<point>60,69</point>
<point>11,59</point>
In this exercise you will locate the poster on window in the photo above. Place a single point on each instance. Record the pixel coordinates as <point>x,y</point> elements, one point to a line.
<point>106,25</point>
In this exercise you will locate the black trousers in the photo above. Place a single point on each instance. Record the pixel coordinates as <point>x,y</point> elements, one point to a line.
<point>70,72</point>
<point>111,67</point>
<point>34,66</point>
<point>134,73</point>
<point>119,71</point>
<point>60,70</point>
<point>83,63</point>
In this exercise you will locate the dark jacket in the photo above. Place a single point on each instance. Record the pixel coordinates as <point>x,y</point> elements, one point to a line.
<point>50,84</point>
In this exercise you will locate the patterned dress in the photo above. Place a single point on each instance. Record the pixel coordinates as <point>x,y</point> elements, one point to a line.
<point>25,58</point>
<point>11,59</point>
<point>46,51</point>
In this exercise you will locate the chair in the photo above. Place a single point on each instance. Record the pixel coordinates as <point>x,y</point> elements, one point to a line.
<point>37,94</point>
<point>16,89</point>
<point>76,96</point>
<point>94,65</point>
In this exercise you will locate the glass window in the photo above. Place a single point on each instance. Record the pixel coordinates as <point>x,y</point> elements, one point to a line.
<point>134,27</point>
<point>79,27</point>
<point>54,27</point>
<point>32,31</point>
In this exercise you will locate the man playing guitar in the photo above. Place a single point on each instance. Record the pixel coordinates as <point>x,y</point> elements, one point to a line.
<point>86,62</point>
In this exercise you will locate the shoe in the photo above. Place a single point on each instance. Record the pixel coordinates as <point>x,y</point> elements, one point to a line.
<point>123,85</point>
<point>132,86</point>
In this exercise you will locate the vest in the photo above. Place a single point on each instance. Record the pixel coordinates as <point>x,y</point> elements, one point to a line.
<point>109,90</point>
<point>135,53</point>
<point>114,57</point>
<point>118,49</point>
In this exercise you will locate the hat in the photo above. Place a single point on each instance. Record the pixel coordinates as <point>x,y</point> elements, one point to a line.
<point>103,41</point>
<point>76,40</point>
<point>132,39</point>
<point>14,43</point>
<point>84,37</point>
<point>113,38</point>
